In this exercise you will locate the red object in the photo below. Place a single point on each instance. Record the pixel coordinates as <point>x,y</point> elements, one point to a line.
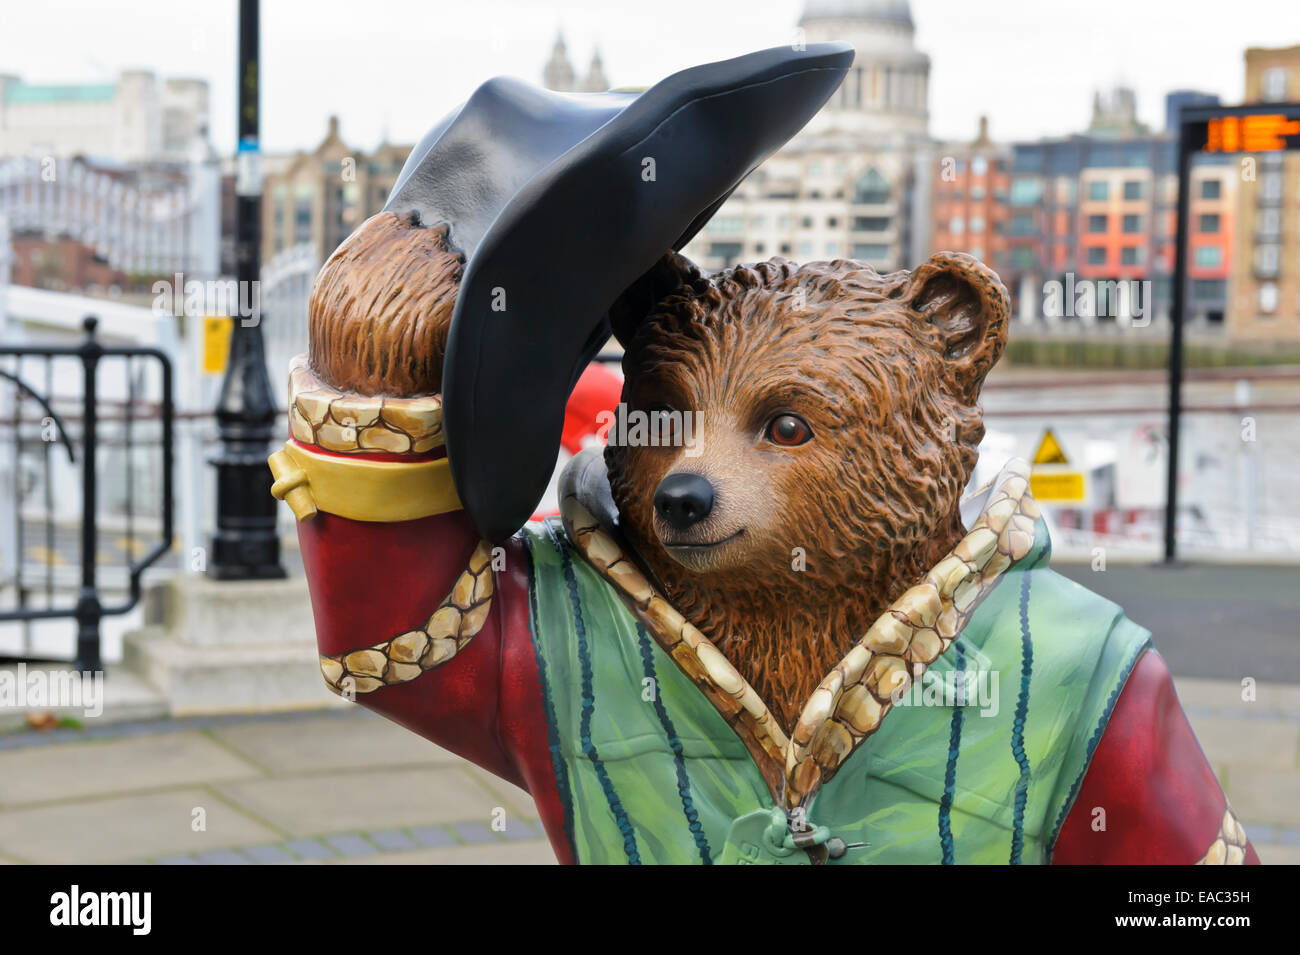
<point>597,390</point>
<point>1162,802</point>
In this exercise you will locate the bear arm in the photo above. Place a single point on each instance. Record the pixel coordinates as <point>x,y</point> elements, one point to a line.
<point>1162,802</point>
<point>371,581</point>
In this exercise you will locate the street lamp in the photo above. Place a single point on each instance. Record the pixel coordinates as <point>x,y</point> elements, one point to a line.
<point>246,545</point>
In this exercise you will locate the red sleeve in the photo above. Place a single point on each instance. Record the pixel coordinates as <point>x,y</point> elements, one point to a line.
<point>1162,803</point>
<point>372,581</point>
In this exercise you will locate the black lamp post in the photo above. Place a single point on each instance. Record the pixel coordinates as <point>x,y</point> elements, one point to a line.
<point>245,545</point>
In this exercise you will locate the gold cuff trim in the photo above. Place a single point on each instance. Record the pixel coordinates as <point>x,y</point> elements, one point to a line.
<point>1229,845</point>
<point>359,489</point>
<point>355,424</point>
<point>404,657</point>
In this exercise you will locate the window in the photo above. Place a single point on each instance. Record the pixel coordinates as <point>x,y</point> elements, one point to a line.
<point>729,252</point>
<point>1203,289</point>
<point>1096,223</point>
<point>805,250</point>
<point>1270,186</point>
<point>1268,298</point>
<point>1209,256</point>
<point>1026,191</point>
<point>833,249</point>
<point>977,193</point>
<point>832,223</point>
<point>1097,255</point>
<point>1098,191</point>
<point>814,170</point>
<point>1022,258</point>
<point>957,225</point>
<point>1208,223</point>
<point>1269,224</point>
<point>1211,188</point>
<point>979,166</point>
<point>1132,190</point>
<point>785,248</point>
<point>871,188</point>
<point>727,225</point>
<point>1132,224</point>
<point>806,222</point>
<point>1022,223</point>
<point>758,248</point>
<point>1130,255</point>
<point>870,223</point>
<point>870,251</point>
<point>1273,87</point>
<point>977,224</point>
<point>1266,261</point>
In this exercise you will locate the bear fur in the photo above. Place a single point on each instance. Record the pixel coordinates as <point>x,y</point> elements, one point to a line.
<point>884,369</point>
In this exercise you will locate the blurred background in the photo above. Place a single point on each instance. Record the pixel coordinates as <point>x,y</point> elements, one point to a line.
<point>1040,138</point>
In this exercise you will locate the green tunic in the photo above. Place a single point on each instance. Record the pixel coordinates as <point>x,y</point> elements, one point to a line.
<point>649,772</point>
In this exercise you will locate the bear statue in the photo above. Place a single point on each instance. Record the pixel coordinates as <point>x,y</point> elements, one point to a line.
<point>770,625</point>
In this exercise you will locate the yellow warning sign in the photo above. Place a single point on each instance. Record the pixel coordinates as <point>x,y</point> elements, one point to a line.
<point>216,343</point>
<point>1050,450</point>
<point>1053,481</point>
<point>1057,486</point>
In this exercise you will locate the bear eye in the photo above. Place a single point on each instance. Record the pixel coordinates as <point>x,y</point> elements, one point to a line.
<point>662,422</point>
<point>788,430</point>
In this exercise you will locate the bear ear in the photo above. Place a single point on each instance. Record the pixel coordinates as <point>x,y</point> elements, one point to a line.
<point>667,275</point>
<point>967,302</point>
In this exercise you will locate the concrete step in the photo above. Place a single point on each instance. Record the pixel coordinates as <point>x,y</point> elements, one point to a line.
<point>204,680</point>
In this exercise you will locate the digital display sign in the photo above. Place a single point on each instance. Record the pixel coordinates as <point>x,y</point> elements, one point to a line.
<point>1260,133</point>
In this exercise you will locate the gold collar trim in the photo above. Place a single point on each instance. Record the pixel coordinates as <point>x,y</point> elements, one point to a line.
<point>850,703</point>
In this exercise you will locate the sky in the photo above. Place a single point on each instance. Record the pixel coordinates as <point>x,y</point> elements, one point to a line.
<point>391,68</point>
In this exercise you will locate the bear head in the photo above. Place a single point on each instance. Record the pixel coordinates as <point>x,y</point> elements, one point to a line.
<point>822,423</point>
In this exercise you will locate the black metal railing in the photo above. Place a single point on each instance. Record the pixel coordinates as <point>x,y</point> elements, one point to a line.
<point>89,607</point>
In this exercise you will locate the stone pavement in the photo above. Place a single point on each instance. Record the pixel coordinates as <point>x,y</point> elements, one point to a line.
<point>344,786</point>
<point>340,786</point>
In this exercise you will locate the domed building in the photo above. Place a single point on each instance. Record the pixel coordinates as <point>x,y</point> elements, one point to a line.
<point>855,182</point>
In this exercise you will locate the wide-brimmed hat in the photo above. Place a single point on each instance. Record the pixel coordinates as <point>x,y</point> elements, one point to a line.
<point>561,203</point>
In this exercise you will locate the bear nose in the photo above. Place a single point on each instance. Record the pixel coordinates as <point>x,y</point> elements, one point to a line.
<point>684,499</point>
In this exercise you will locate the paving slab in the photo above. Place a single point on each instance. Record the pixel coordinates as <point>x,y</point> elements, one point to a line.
<point>305,745</point>
<point>1279,855</point>
<point>376,799</point>
<point>124,828</point>
<point>1246,744</point>
<point>1264,796</point>
<point>107,767</point>
<point>1271,700</point>
<point>517,853</point>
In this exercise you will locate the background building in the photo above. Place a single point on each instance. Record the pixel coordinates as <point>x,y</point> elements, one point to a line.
<point>559,74</point>
<point>1098,206</point>
<point>1266,279</point>
<point>971,191</point>
<point>319,197</point>
<point>136,118</point>
<point>854,183</point>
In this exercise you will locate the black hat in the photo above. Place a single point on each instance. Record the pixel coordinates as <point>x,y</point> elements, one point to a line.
<point>561,203</point>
